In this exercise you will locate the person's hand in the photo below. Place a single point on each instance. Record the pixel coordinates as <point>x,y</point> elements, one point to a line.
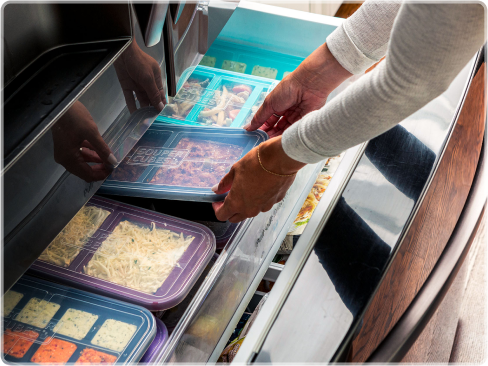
<point>252,189</point>
<point>77,142</point>
<point>304,90</point>
<point>139,73</point>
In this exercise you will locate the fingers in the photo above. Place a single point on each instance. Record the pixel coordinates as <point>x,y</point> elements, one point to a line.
<point>222,210</point>
<point>130,100</point>
<point>90,156</point>
<point>151,84</point>
<point>225,184</point>
<point>103,151</point>
<point>159,84</point>
<point>142,98</point>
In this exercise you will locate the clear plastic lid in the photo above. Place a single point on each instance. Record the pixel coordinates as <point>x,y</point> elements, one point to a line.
<point>157,344</point>
<point>216,98</point>
<point>180,162</point>
<point>128,253</point>
<point>48,323</point>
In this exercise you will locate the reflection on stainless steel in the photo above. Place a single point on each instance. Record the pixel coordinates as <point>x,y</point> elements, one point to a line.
<point>151,17</point>
<point>352,250</point>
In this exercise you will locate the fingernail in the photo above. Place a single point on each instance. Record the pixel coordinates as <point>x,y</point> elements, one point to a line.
<point>246,126</point>
<point>112,160</point>
<point>215,187</point>
<point>160,106</point>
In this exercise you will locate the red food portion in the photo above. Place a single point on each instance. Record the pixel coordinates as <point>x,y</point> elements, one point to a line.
<point>57,351</point>
<point>91,356</point>
<point>17,343</point>
<point>241,88</point>
<point>233,113</point>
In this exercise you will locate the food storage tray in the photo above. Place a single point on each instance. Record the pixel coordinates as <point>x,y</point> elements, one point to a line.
<point>200,99</point>
<point>45,329</point>
<point>180,162</point>
<point>223,231</point>
<point>174,288</point>
<point>156,345</point>
<point>249,60</point>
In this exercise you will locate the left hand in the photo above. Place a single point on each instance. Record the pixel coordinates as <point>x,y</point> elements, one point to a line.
<point>251,189</point>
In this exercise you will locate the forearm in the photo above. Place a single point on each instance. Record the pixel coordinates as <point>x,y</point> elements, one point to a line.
<point>429,45</point>
<point>363,38</point>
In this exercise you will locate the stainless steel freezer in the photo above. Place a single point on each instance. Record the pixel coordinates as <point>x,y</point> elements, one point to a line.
<point>319,301</point>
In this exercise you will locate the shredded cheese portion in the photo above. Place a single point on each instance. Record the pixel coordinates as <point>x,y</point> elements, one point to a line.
<point>138,257</point>
<point>66,246</point>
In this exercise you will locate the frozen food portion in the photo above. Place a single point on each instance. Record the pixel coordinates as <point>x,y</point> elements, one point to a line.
<point>75,323</point>
<point>138,257</point>
<point>56,351</point>
<point>265,72</point>
<point>94,357</point>
<point>234,66</point>
<point>16,343</point>
<point>205,165</point>
<point>225,104</point>
<point>114,335</point>
<point>37,312</point>
<point>67,245</point>
<point>10,301</point>
<point>208,61</point>
<point>131,168</point>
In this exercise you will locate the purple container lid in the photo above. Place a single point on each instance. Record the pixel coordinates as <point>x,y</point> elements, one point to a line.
<point>176,286</point>
<point>157,344</point>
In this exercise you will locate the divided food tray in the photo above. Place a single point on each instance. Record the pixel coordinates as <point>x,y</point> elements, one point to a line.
<point>217,98</point>
<point>250,60</point>
<point>157,344</point>
<point>40,320</point>
<point>180,162</point>
<point>88,268</point>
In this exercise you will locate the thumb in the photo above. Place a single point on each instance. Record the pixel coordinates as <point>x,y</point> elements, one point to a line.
<point>225,184</point>
<point>102,150</point>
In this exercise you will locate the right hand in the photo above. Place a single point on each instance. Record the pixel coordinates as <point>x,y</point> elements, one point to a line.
<point>304,90</point>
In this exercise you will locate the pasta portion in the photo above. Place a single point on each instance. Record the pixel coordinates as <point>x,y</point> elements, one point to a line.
<point>66,246</point>
<point>138,257</point>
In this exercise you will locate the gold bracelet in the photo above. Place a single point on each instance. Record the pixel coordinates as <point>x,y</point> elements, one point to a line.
<point>266,170</point>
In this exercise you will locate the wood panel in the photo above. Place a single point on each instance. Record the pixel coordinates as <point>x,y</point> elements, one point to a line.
<point>347,9</point>
<point>432,226</point>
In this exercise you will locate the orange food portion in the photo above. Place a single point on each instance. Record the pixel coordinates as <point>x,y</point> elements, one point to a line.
<point>92,356</point>
<point>17,343</point>
<point>57,351</point>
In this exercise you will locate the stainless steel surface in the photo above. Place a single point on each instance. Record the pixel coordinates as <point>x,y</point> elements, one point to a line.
<point>151,18</point>
<point>40,196</point>
<point>352,246</point>
<point>52,55</point>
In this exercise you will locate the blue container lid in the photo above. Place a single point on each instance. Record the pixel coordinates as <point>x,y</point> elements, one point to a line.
<point>158,343</point>
<point>181,162</point>
<point>216,98</point>
<point>40,317</point>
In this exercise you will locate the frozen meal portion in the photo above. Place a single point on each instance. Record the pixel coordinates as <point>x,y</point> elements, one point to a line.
<point>136,162</point>
<point>138,257</point>
<point>16,343</point>
<point>205,165</point>
<point>37,312</point>
<point>56,351</point>
<point>265,72</point>
<point>234,66</point>
<point>94,357</point>
<point>190,93</point>
<point>75,323</point>
<point>114,335</point>
<point>225,104</point>
<point>10,301</point>
<point>66,246</point>
<point>208,61</point>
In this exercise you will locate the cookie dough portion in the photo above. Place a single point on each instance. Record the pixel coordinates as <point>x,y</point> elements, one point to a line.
<point>208,61</point>
<point>37,312</point>
<point>114,335</point>
<point>265,72</point>
<point>10,301</point>
<point>234,66</point>
<point>75,323</point>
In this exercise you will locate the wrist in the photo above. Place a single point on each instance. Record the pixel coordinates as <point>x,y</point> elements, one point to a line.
<point>274,158</point>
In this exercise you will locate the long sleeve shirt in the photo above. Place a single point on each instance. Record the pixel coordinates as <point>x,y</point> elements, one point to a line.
<point>426,46</point>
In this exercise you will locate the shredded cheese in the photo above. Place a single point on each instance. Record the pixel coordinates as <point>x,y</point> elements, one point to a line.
<point>66,246</point>
<point>138,257</point>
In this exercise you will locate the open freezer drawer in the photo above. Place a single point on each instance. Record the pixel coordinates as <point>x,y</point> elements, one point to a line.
<point>213,313</point>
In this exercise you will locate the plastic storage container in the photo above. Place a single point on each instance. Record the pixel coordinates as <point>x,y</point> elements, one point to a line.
<point>217,98</point>
<point>250,60</point>
<point>116,257</point>
<point>180,162</point>
<point>157,344</point>
<point>49,323</point>
<point>223,231</point>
